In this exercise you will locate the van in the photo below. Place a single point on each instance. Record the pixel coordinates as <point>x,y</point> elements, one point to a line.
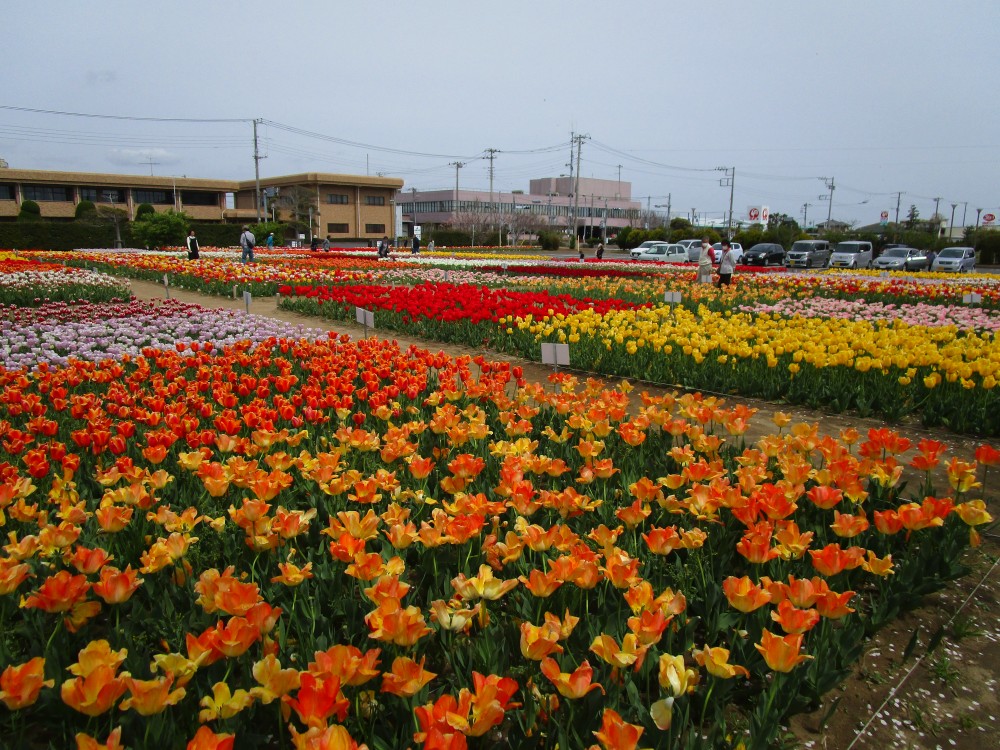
<point>852,254</point>
<point>809,253</point>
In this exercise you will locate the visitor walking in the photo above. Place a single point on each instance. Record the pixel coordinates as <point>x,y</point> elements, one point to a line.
<point>600,250</point>
<point>705,261</point>
<point>270,240</point>
<point>326,244</point>
<point>727,264</point>
<point>192,246</point>
<point>247,243</point>
<point>415,247</point>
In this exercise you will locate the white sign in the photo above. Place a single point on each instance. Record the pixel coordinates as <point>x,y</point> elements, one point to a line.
<point>673,298</point>
<point>765,214</point>
<point>364,317</point>
<point>418,232</point>
<point>972,298</point>
<point>989,218</point>
<point>247,299</point>
<point>555,354</point>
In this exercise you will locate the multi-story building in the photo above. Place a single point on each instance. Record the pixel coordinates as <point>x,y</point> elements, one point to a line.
<point>549,203</point>
<point>345,207</point>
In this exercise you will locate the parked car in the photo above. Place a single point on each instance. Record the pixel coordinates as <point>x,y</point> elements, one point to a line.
<point>960,259</point>
<point>647,243</point>
<point>693,248</point>
<point>902,259</point>
<point>764,254</point>
<point>809,253</point>
<point>737,252</point>
<point>662,251</point>
<point>852,254</point>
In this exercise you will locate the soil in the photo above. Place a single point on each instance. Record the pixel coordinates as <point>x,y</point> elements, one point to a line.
<point>896,697</point>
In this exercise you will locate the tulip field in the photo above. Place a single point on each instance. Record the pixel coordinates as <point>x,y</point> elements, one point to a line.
<point>226,531</point>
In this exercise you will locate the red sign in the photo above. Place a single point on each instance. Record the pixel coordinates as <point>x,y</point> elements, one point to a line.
<point>754,214</point>
<point>989,218</point>
<point>764,214</point>
<point>885,215</point>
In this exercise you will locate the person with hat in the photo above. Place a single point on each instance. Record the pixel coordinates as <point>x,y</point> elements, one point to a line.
<point>247,243</point>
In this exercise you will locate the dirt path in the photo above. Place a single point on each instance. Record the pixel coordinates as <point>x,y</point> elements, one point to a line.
<point>948,698</point>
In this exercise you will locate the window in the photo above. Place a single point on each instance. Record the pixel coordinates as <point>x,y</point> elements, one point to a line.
<point>199,198</point>
<point>46,193</point>
<point>374,200</point>
<point>157,197</point>
<point>337,229</point>
<point>6,192</point>
<point>337,198</point>
<point>375,228</point>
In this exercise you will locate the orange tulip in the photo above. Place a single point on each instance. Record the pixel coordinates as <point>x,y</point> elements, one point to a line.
<point>113,742</point>
<point>149,697</point>
<point>334,737</point>
<point>617,734</point>
<point>318,699</point>
<point>346,663</point>
<point>234,637</point>
<point>117,586</point>
<point>743,594</point>
<point>206,739</point>
<point>21,684</point>
<point>630,653</point>
<point>292,575</point>
<point>833,606</point>
<point>483,585</point>
<point>393,624</point>
<point>539,583</point>
<point>58,593</point>
<point>95,693</point>
<point>825,497</point>
<point>794,620</point>
<point>12,575</point>
<point>831,560</point>
<point>716,661</point>
<point>539,642</point>
<point>781,652</point>
<point>573,685</point>
<point>274,681</point>
<point>847,526</point>
<point>406,678</point>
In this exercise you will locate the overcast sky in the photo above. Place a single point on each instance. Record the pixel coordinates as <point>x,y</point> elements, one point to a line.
<point>880,95</point>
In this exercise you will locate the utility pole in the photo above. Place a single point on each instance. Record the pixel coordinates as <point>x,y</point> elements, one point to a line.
<point>151,163</point>
<point>576,189</point>
<point>649,211</point>
<point>951,223</point>
<point>899,198</point>
<point>457,165</point>
<point>491,155</point>
<point>414,213</point>
<point>572,143</point>
<point>829,211</point>
<point>805,215</point>
<point>256,171</point>
<point>729,181</point>
<point>619,193</point>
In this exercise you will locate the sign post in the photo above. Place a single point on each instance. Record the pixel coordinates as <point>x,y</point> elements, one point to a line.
<point>555,355</point>
<point>246,300</point>
<point>166,285</point>
<point>365,318</point>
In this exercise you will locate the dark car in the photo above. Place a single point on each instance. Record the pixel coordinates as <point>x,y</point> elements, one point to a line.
<point>764,254</point>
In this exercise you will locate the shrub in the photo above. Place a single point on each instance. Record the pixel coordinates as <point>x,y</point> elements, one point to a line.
<point>160,230</point>
<point>549,240</point>
<point>988,246</point>
<point>30,212</point>
<point>144,210</point>
<point>86,210</point>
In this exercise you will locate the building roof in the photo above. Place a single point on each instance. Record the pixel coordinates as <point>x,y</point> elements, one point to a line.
<point>324,178</point>
<point>112,180</point>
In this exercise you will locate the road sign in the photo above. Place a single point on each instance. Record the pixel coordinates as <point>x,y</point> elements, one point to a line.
<point>765,213</point>
<point>884,216</point>
<point>989,218</point>
<point>754,214</point>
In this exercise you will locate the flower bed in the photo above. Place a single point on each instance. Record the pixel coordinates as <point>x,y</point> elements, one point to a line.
<point>305,540</point>
<point>28,283</point>
<point>56,333</point>
<point>920,314</point>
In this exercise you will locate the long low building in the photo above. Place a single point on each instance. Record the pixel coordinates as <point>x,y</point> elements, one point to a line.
<point>343,207</point>
<point>548,204</point>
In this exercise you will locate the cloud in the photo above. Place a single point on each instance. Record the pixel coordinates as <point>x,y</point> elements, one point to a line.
<point>100,77</point>
<point>126,157</point>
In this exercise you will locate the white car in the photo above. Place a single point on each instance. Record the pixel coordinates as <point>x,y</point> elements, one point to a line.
<point>737,252</point>
<point>661,251</point>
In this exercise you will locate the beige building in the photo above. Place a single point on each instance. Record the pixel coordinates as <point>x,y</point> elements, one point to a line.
<point>344,207</point>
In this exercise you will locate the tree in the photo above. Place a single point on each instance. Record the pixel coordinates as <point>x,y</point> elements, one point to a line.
<point>144,210</point>
<point>111,214</point>
<point>474,222</point>
<point>911,217</point>
<point>29,212</point>
<point>679,223</point>
<point>159,230</point>
<point>297,201</point>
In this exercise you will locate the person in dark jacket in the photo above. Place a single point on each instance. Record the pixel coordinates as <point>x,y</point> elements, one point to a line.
<point>192,246</point>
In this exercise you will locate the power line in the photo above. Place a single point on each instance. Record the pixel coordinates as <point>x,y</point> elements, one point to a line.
<point>125,117</point>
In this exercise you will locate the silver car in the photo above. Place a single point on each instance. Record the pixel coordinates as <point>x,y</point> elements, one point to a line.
<point>902,259</point>
<point>661,251</point>
<point>955,259</point>
<point>809,253</point>
<point>852,254</point>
